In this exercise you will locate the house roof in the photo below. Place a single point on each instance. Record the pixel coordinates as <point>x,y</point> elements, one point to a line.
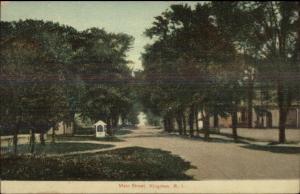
<point>99,123</point>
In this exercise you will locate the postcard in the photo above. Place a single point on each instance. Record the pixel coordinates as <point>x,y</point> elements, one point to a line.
<point>150,97</point>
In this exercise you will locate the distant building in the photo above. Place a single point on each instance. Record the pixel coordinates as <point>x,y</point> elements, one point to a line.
<point>63,129</point>
<point>262,118</point>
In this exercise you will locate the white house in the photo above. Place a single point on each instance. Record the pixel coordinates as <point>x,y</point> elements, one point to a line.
<point>63,129</point>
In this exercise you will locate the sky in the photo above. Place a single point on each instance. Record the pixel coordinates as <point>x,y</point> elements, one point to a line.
<point>127,17</point>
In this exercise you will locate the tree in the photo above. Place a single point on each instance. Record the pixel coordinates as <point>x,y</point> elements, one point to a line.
<point>103,59</point>
<point>186,54</point>
<point>33,54</point>
<point>48,74</point>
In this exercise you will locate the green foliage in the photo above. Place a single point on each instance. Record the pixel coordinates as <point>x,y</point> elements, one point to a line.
<point>103,69</point>
<point>185,62</point>
<point>48,72</point>
<point>33,57</point>
<point>267,33</point>
<point>212,57</point>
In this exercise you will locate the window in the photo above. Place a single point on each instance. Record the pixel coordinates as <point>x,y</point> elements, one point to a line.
<point>99,128</point>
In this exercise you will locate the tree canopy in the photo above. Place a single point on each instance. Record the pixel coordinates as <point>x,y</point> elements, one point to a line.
<point>50,71</point>
<point>212,58</point>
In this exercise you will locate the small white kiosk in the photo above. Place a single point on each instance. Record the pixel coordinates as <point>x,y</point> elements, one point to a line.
<point>100,128</point>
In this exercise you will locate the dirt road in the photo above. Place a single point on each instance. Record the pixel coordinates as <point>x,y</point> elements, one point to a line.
<point>221,158</point>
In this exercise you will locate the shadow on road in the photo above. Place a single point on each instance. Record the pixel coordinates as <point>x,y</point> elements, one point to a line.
<point>274,149</point>
<point>123,132</point>
<point>213,138</point>
<point>224,138</point>
<point>143,135</point>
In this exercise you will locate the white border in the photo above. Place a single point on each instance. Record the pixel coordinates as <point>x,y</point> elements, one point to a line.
<point>99,187</point>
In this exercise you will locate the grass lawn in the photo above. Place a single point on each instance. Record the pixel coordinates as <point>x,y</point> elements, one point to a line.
<point>133,163</point>
<point>114,138</point>
<point>58,147</point>
<point>88,138</point>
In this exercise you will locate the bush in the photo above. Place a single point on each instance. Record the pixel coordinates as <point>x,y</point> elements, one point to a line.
<point>85,131</point>
<point>134,163</point>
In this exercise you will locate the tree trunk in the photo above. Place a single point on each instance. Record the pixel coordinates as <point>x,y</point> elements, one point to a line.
<point>179,123</point>
<point>216,120</point>
<point>263,120</point>
<point>72,121</point>
<point>115,120</point>
<point>112,128</point>
<point>234,124</point>
<point>283,111</point>
<point>42,138</point>
<point>165,124</point>
<point>109,126</point>
<point>32,141</point>
<point>191,121</point>
<point>250,103</point>
<point>53,133</point>
<point>184,123</point>
<point>197,123</point>
<point>282,121</point>
<point>64,127</point>
<point>206,125</point>
<point>170,124</point>
<point>123,120</point>
<point>15,139</point>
